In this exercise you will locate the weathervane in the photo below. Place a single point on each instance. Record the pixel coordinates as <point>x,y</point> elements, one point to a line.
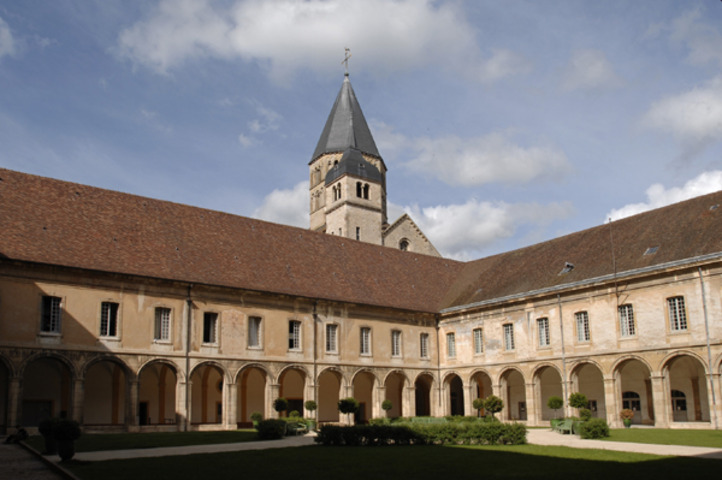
<point>345,60</point>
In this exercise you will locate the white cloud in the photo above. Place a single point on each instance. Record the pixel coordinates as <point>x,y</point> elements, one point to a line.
<point>590,70</point>
<point>702,39</point>
<point>245,140</point>
<point>267,120</point>
<point>695,117</point>
<point>658,196</point>
<point>287,35</point>
<point>288,207</point>
<point>7,42</point>
<point>479,160</point>
<point>465,231</point>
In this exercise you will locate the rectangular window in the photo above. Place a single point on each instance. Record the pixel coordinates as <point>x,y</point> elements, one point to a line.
<point>478,341</point>
<point>365,341</point>
<point>626,320</point>
<point>50,321</point>
<point>294,335</point>
<point>210,327</point>
<point>424,345</point>
<point>451,345</point>
<point>395,343</point>
<point>358,233</point>
<point>332,338</point>
<point>108,319</point>
<point>677,314</point>
<point>508,336</point>
<point>582,319</point>
<point>254,332</point>
<point>162,324</point>
<point>542,325</point>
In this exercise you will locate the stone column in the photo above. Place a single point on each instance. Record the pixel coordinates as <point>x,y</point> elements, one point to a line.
<point>532,417</point>
<point>412,401</point>
<point>378,395</point>
<point>183,404</point>
<point>713,393</point>
<point>77,400</point>
<point>660,401</point>
<point>611,405</point>
<point>468,400</point>
<point>406,393</point>
<point>131,406</point>
<point>15,400</point>
<point>231,411</point>
<point>272,390</point>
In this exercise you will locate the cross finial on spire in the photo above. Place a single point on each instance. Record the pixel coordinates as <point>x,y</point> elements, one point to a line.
<point>345,60</point>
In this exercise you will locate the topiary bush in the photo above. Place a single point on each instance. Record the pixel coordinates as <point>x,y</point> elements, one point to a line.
<point>585,414</point>
<point>578,400</point>
<point>271,429</point>
<point>594,428</point>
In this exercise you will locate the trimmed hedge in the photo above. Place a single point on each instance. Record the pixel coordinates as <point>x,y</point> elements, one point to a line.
<point>271,429</point>
<point>451,433</point>
<point>594,428</point>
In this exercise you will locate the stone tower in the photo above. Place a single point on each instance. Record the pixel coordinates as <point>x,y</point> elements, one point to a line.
<point>348,175</point>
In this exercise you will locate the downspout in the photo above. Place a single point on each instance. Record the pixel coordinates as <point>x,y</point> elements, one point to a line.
<point>189,318</point>
<point>564,362</point>
<point>709,348</point>
<point>315,357</point>
<point>438,358</point>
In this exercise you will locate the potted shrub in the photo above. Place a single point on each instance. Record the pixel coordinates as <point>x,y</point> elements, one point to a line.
<point>311,406</point>
<point>478,404</point>
<point>493,404</point>
<point>348,406</point>
<point>255,418</point>
<point>626,415</point>
<point>66,432</point>
<point>280,405</point>
<point>386,405</point>
<point>45,427</point>
<point>555,403</point>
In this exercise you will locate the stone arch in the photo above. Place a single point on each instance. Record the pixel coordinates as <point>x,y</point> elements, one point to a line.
<point>292,381</point>
<point>208,384</point>
<point>395,383</point>
<point>330,381</point>
<point>252,383</point>
<point>513,393</point>
<point>633,388</point>
<point>158,382</point>
<point>364,383</point>
<point>106,391</point>
<point>423,386</point>
<point>47,388</point>
<point>685,374</point>
<point>482,385</point>
<point>586,377</point>
<point>547,379</point>
<point>454,393</point>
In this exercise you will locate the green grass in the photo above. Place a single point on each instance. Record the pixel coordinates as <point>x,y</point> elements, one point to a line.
<point>420,463</point>
<point>694,438</point>
<point>125,441</point>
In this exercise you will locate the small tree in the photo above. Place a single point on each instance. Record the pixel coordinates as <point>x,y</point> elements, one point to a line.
<point>348,406</point>
<point>555,403</point>
<point>311,406</point>
<point>478,404</point>
<point>493,404</point>
<point>578,400</point>
<point>280,405</point>
<point>386,405</point>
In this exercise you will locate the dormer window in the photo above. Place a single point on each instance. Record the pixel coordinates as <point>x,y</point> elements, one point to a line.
<point>404,245</point>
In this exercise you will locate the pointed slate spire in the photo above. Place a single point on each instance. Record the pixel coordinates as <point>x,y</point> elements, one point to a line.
<point>346,126</point>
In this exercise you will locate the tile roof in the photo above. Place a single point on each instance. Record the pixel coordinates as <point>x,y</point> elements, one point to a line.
<point>54,222</point>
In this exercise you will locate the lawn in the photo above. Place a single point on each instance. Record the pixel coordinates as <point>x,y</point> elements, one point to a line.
<point>694,438</point>
<point>420,463</point>
<point>124,441</point>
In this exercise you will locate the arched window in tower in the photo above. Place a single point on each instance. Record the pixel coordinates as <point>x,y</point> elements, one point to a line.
<point>366,191</point>
<point>358,189</point>
<point>404,245</point>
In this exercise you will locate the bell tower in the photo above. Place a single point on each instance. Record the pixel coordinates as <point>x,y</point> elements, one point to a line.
<point>347,174</point>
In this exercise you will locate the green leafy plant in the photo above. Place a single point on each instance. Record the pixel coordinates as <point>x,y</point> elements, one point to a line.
<point>280,405</point>
<point>295,414</point>
<point>310,405</point>
<point>478,404</point>
<point>493,404</point>
<point>585,414</point>
<point>271,429</point>
<point>594,428</point>
<point>386,405</point>
<point>555,403</point>
<point>348,406</point>
<point>256,417</point>
<point>578,400</point>
<point>626,414</point>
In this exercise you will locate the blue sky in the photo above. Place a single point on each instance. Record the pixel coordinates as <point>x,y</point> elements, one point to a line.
<point>502,123</point>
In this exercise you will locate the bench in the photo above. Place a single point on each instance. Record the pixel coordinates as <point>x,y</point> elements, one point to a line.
<point>296,428</point>
<point>564,426</point>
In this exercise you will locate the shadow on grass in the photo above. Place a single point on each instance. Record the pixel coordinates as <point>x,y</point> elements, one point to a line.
<point>427,462</point>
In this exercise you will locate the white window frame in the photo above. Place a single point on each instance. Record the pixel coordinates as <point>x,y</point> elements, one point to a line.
<point>163,324</point>
<point>478,341</point>
<point>451,345</point>
<point>331,338</point>
<point>396,343</point>
<point>210,317</point>
<point>509,337</point>
<point>51,314</point>
<point>294,335</point>
<point>109,312</point>
<point>677,314</point>
<point>424,345</point>
<point>255,332</point>
<point>365,341</point>
<point>626,320</point>
<point>542,325</point>
<point>582,322</point>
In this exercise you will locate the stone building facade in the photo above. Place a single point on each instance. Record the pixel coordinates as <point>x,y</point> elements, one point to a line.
<point>133,314</point>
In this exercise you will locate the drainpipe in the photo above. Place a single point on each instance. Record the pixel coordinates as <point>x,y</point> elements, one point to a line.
<point>189,317</point>
<point>709,348</point>
<point>438,358</point>
<point>315,357</point>
<point>564,362</point>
